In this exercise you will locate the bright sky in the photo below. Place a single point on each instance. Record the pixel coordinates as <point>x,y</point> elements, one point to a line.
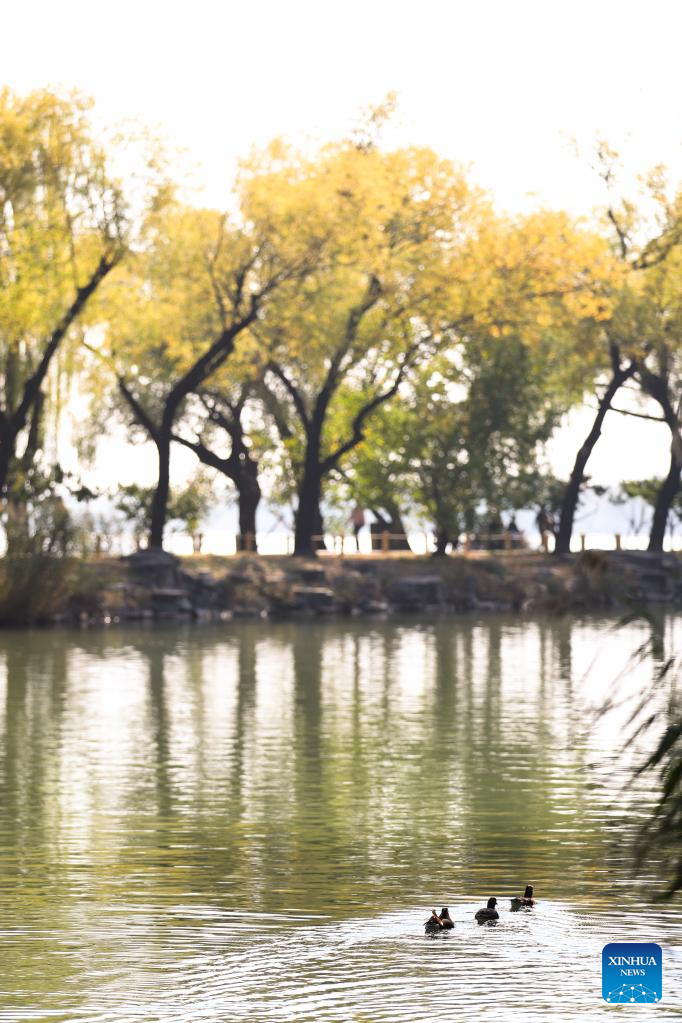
<point>503,85</point>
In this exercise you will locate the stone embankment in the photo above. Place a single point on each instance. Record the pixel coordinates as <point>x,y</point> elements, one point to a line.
<point>156,586</point>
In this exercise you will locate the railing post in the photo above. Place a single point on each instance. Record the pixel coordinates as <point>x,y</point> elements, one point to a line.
<point>288,543</point>
<point>507,541</point>
<point>582,542</point>
<point>385,541</point>
<point>618,542</point>
<point>545,540</point>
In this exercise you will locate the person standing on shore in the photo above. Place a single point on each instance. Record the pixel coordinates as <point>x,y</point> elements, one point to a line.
<point>357,519</point>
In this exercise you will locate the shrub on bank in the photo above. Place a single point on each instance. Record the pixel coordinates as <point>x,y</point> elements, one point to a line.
<point>34,587</point>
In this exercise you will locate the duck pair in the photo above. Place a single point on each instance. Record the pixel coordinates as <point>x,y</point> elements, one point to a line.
<point>490,914</point>
<point>439,921</point>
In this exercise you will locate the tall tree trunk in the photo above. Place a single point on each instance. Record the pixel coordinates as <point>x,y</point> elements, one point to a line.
<point>5,458</point>
<point>308,514</point>
<point>14,469</point>
<point>13,418</point>
<point>572,491</point>
<point>159,509</point>
<point>657,386</point>
<point>319,543</point>
<point>665,497</point>
<point>249,492</point>
<point>308,535</point>
<point>18,525</point>
<point>441,544</point>
<point>240,468</point>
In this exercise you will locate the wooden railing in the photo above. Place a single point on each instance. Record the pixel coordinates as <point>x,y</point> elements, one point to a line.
<point>419,543</point>
<point>384,542</point>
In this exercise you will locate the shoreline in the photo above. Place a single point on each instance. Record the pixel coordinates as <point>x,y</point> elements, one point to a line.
<point>155,586</point>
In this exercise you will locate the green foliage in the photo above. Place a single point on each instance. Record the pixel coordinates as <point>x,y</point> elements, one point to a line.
<point>187,507</point>
<point>134,501</point>
<point>646,493</point>
<point>466,436</point>
<point>646,490</point>
<point>34,513</point>
<point>190,506</point>
<point>548,492</point>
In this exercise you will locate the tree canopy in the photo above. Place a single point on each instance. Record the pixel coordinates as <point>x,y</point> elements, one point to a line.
<point>63,228</point>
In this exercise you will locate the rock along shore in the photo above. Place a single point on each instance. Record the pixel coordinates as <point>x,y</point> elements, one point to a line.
<point>155,586</point>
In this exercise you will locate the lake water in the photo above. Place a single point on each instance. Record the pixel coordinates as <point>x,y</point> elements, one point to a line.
<point>253,821</point>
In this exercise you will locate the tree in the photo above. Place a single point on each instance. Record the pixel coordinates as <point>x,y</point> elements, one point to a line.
<point>642,242</point>
<point>188,506</point>
<point>478,425</point>
<point>63,229</point>
<point>660,373</point>
<point>654,317</point>
<point>645,492</point>
<point>376,472</point>
<point>526,296</point>
<point>341,346</point>
<point>134,502</point>
<point>228,434</point>
<point>175,314</point>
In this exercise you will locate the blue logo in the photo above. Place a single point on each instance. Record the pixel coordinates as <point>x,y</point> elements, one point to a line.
<point>631,971</point>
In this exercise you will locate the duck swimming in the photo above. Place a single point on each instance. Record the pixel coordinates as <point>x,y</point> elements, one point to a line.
<point>446,919</point>
<point>434,924</point>
<point>526,901</point>
<point>489,914</point>
<point>439,921</point>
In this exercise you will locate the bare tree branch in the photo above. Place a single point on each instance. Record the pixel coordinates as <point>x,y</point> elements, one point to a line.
<point>106,263</point>
<point>293,392</point>
<point>142,417</point>
<point>357,434</point>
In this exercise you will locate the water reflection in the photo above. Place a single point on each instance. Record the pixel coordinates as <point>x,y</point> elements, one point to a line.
<point>167,793</point>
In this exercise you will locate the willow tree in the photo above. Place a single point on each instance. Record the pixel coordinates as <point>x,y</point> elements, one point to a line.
<point>176,312</point>
<point>339,346</point>
<point>63,227</point>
